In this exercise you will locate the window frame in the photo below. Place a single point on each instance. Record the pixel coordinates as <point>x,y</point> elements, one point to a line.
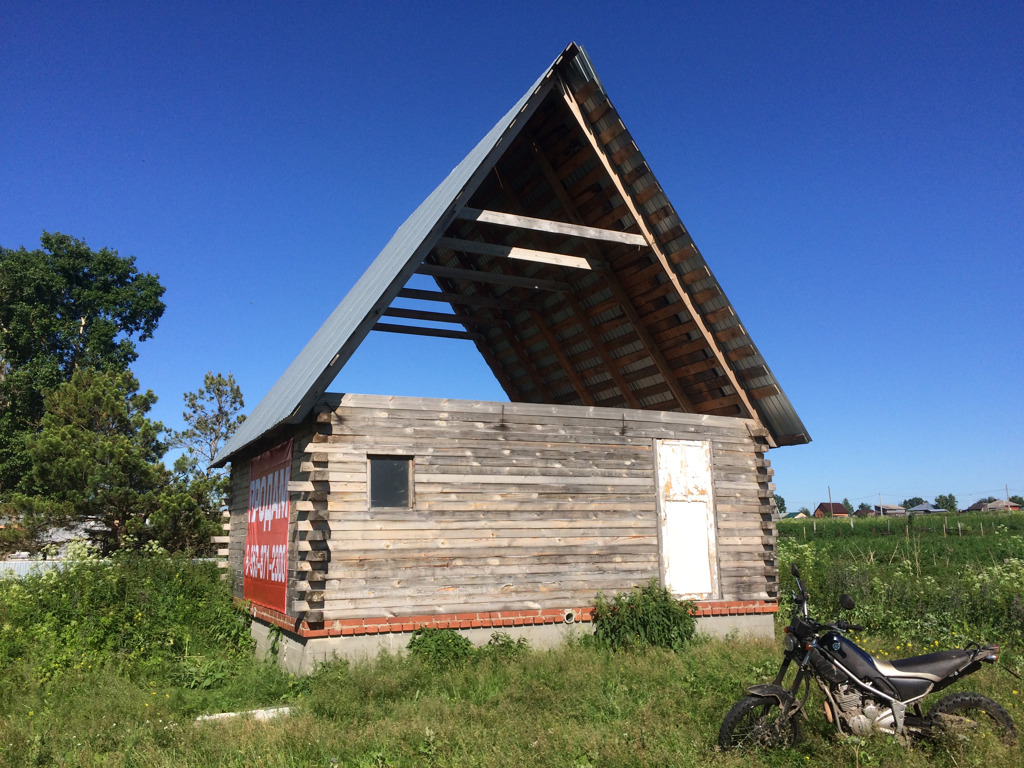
<point>410,485</point>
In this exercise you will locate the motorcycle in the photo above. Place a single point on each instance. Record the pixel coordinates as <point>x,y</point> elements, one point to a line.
<point>862,694</point>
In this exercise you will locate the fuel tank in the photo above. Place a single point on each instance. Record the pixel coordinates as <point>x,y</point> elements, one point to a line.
<point>860,663</point>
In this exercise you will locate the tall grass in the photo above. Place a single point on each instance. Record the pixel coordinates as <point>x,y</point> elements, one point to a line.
<point>108,665</point>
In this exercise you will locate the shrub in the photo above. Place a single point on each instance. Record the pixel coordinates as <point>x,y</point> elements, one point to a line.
<point>646,616</point>
<point>442,648</point>
<point>132,610</point>
<point>446,648</point>
<point>502,646</point>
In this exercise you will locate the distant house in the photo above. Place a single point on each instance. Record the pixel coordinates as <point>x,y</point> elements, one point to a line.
<point>925,509</point>
<point>890,510</point>
<point>1000,505</point>
<point>830,509</point>
<point>866,512</point>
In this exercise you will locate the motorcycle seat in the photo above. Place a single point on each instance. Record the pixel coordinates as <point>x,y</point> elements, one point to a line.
<point>933,666</point>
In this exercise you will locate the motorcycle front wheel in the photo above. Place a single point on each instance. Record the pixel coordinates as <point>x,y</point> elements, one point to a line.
<point>757,722</point>
<point>968,714</point>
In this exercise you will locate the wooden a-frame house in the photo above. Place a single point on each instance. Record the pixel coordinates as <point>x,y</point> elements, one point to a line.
<point>632,446</point>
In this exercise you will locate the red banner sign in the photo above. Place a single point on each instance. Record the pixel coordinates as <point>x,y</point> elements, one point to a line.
<point>266,539</point>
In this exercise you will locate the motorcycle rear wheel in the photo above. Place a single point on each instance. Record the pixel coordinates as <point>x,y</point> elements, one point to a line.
<point>967,714</point>
<point>757,722</point>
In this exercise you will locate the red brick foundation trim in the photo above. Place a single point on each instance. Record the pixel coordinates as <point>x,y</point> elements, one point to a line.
<point>479,620</point>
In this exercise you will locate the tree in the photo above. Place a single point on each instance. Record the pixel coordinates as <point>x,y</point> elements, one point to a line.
<point>804,511</point>
<point>848,506</point>
<point>212,417</point>
<point>862,506</point>
<point>64,308</point>
<point>912,502</point>
<point>190,508</point>
<point>95,461</point>
<point>187,515</point>
<point>781,504</point>
<point>1018,500</point>
<point>947,502</point>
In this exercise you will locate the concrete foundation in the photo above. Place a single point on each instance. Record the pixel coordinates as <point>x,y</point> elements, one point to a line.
<point>759,625</point>
<point>300,655</point>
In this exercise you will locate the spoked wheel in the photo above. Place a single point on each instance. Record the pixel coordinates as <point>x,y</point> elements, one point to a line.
<point>966,715</point>
<point>756,722</point>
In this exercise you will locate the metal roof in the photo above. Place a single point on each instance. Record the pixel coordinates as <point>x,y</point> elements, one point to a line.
<point>556,252</point>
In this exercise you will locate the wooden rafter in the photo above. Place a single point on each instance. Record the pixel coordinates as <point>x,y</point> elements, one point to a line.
<point>580,317</point>
<point>620,295</point>
<point>655,245</point>
<point>508,330</point>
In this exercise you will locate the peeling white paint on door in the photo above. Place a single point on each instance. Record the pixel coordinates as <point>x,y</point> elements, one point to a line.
<point>689,560</point>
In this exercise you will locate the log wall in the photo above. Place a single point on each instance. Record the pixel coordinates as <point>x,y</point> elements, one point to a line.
<point>516,506</point>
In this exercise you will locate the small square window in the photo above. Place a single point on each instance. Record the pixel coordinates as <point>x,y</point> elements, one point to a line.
<point>391,481</point>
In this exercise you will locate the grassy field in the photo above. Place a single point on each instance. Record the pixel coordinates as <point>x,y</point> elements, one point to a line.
<point>110,665</point>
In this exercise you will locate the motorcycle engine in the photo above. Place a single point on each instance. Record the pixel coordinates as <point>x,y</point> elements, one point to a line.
<point>860,713</point>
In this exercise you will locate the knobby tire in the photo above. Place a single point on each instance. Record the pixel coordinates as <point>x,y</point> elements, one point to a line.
<point>756,722</point>
<point>972,712</point>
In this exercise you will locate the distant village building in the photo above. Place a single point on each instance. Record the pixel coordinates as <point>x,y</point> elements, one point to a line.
<point>831,509</point>
<point>890,510</point>
<point>633,446</point>
<point>999,505</point>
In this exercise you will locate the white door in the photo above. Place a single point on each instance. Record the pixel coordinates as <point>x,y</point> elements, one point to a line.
<point>689,561</point>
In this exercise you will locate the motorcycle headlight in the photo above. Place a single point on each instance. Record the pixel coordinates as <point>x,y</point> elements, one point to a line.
<point>791,642</point>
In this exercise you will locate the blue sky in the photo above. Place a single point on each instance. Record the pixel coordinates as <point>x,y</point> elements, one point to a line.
<point>853,174</point>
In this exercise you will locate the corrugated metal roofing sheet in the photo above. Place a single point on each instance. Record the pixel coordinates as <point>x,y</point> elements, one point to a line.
<point>318,363</point>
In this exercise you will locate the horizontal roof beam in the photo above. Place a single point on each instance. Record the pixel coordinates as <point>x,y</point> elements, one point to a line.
<point>512,252</point>
<point>432,317</point>
<point>463,299</point>
<point>495,278</point>
<point>553,227</point>
<point>418,330</point>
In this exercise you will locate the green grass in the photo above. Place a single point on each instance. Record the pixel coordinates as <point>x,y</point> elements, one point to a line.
<point>569,707</point>
<point>110,664</point>
<point>949,579</point>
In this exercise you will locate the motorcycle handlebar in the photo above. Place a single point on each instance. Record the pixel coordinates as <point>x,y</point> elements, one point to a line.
<point>847,626</point>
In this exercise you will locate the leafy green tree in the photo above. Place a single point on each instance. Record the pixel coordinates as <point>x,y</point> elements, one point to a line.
<point>848,506</point>
<point>947,502</point>
<point>1019,500</point>
<point>64,307</point>
<point>912,502</point>
<point>804,511</point>
<point>781,504</point>
<point>862,506</point>
<point>95,461</point>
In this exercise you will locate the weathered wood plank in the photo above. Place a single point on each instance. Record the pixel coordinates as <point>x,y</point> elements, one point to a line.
<point>546,225</point>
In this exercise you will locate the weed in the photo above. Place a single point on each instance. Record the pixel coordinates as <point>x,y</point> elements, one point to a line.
<point>646,616</point>
<point>441,648</point>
